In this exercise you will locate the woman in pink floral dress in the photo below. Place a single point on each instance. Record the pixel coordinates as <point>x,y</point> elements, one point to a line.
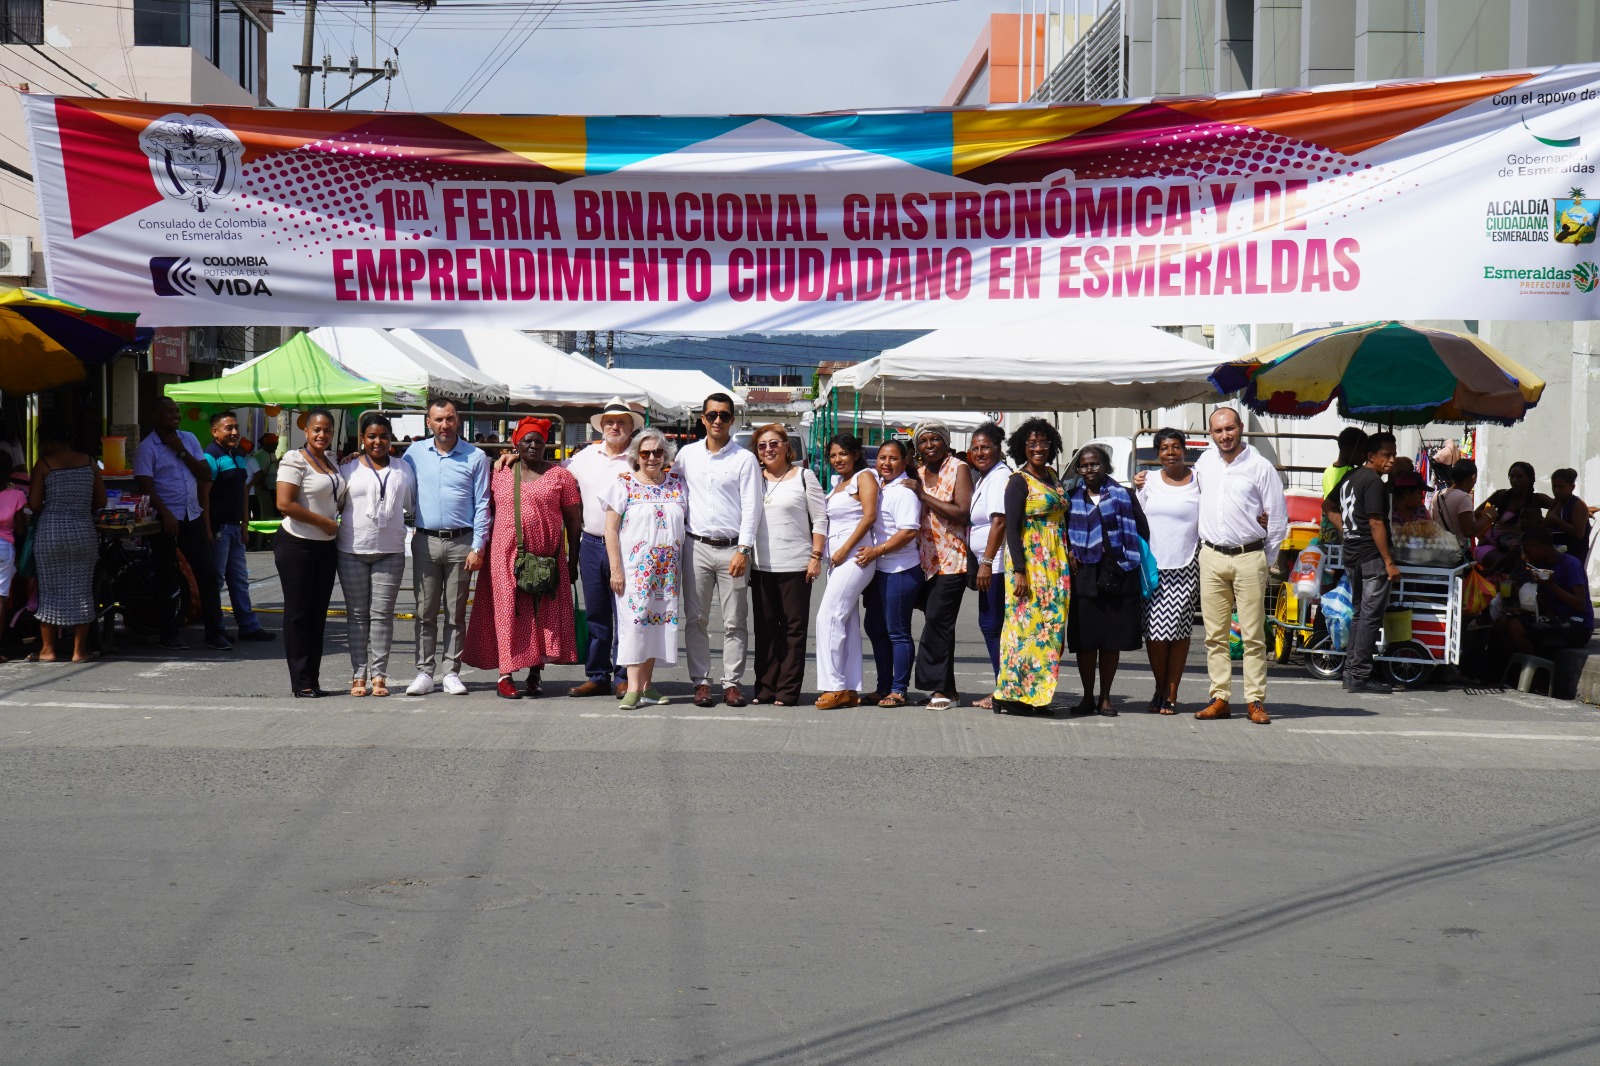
<point>509,629</point>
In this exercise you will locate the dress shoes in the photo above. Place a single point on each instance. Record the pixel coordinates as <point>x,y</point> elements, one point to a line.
<point>621,689</point>
<point>1217,708</point>
<point>591,688</point>
<point>733,697</point>
<point>506,688</point>
<point>832,701</point>
<point>533,688</point>
<point>1258,713</point>
<point>258,635</point>
<point>703,696</point>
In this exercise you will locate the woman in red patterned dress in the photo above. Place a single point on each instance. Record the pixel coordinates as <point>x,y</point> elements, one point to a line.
<point>509,629</point>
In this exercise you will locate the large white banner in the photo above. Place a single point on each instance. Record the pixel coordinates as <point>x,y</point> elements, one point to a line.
<point>1457,198</point>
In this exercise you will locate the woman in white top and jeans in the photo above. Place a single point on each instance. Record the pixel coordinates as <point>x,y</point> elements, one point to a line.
<point>310,493</point>
<point>790,532</point>
<point>852,514</point>
<point>1170,498</point>
<point>892,596</point>
<point>986,536</point>
<point>372,552</point>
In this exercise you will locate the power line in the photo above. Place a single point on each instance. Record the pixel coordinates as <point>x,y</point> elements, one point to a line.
<point>509,52</point>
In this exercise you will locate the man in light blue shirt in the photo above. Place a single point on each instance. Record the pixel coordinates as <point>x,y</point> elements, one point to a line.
<point>452,530</point>
<point>171,471</point>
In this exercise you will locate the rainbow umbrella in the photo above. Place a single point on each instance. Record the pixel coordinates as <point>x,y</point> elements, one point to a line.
<point>45,341</point>
<point>1383,373</point>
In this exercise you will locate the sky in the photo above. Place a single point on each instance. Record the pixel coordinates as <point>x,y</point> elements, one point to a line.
<point>894,53</point>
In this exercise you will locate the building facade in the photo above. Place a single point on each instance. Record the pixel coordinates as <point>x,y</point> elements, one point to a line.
<point>1154,48</point>
<point>183,51</point>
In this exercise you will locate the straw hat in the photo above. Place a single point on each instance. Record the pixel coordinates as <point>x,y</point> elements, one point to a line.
<point>615,406</point>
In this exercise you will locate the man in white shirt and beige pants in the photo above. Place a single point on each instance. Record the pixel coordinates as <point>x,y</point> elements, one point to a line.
<point>1239,488</point>
<point>724,483</point>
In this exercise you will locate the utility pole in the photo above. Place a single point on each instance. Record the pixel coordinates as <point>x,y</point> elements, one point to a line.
<point>305,68</point>
<point>611,344</point>
<point>307,39</point>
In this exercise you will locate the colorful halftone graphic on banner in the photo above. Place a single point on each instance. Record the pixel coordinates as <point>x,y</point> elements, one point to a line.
<point>1140,210</point>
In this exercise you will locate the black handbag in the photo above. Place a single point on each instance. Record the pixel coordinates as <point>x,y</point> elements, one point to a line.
<point>536,574</point>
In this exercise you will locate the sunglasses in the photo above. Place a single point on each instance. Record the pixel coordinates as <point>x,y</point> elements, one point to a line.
<point>717,416</point>
<point>651,453</point>
<point>768,445</point>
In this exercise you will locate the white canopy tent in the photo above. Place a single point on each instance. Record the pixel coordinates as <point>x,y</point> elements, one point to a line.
<point>536,373</point>
<point>1032,369</point>
<point>687,388</point>
<point>377,356</point>
<point>955,421</point>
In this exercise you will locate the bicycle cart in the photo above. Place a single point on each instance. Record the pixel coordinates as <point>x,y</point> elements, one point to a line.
<point>1421,632</point>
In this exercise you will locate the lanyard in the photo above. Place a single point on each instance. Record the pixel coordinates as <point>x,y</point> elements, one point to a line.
<point>382,479</point>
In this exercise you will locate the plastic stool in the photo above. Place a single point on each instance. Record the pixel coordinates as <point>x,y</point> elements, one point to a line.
<point>1531,665</point>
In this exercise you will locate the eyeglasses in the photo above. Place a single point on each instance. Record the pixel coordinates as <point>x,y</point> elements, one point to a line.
<point>767,445</point>
<point>651,453</point>
<point>717,416</point>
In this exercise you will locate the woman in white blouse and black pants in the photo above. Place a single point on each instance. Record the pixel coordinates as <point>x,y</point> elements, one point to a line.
<point>791,530</point>
<point>311,492</point>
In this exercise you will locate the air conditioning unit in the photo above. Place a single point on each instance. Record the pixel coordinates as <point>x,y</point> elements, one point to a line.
<point>16,256</point>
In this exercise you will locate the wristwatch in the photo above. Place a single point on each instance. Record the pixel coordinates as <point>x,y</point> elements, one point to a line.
<point>985,561</point>
<point>743,549</point>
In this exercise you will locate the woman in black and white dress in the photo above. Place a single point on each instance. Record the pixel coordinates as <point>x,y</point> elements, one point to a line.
<point>1170,497</point>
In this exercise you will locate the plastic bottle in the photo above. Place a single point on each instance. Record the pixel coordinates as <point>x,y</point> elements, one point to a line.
<point>1307,573</point>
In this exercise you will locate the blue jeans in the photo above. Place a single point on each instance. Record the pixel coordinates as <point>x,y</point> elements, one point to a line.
<point>594,574</point>
<point>991,618</point>
<point>227,552</point>
<point>890,600</point>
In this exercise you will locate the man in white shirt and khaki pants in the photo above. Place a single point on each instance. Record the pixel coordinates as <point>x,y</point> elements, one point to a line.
<point>1240,490</point>
<point>724,505</point>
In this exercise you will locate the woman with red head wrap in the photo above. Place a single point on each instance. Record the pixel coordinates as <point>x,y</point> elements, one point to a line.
<point>510,630</point>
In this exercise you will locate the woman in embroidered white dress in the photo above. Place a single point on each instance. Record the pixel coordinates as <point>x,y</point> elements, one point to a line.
<point>646,519</point>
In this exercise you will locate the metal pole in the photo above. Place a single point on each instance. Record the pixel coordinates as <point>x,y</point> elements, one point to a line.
<point>1019,51</point>
<point>306,42</point>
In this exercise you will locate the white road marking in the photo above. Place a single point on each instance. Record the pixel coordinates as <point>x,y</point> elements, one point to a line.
<point>1443,733</point>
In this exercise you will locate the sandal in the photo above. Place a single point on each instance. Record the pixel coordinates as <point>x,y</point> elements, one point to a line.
<point>1168,707</point>
<point>1155,705</point>
<point>358,686</point>
<point>380,686</point>
<point>940,703</point>
<point>1083,707</point>
<point>871,699</point>
<point>893,699</point>
<point>985,704</point>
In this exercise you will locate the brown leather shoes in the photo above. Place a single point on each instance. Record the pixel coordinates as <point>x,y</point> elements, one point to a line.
<point>622,689</point>
<point>590,688</point>
<point>830,701</point>
<point>1217,708</point>
<point>703,697</point>
<point>1258,714</point>
<point>733,697</point>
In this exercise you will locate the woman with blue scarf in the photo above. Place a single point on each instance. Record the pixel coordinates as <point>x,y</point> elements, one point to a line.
<point>1105,614</point>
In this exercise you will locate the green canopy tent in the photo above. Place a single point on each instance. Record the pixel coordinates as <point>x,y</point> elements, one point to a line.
<point>297,374</point>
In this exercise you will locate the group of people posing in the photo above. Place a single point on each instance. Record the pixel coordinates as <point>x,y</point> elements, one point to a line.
<point>667,533</point>
<point>654,536</point>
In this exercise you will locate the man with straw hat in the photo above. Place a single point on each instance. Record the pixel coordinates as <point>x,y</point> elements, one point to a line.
<point>596,468</point>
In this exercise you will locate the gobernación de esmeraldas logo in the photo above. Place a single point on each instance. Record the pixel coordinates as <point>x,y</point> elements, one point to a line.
<point>192,157</point>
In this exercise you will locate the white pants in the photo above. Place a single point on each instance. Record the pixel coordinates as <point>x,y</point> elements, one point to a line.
<point>839,627</point>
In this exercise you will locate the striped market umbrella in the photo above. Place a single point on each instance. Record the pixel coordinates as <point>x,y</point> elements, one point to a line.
<point>1385,373</point>
<point>45,341</point>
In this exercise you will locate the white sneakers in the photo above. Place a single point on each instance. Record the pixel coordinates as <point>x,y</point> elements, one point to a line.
<point>424,684</point>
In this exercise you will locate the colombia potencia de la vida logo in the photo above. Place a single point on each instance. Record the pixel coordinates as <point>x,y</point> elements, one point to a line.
<point>193,158</point>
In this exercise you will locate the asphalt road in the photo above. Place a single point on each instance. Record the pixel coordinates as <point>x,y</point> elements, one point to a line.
<point>199,869</point>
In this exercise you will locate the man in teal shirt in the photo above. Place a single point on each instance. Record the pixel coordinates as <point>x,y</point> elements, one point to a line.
<point>452,529</point>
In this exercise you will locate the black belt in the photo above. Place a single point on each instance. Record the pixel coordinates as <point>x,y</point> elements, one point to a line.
<point>445,534</point>
<point>716,542</point>
<point>1242,549</point>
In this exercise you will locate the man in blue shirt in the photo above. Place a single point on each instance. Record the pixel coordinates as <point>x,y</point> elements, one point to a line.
<point>230,518</point>
<point>452,530</point>
<point>171,471</point>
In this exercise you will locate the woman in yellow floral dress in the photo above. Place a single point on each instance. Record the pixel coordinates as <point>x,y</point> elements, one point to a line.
<point>1036,590</point>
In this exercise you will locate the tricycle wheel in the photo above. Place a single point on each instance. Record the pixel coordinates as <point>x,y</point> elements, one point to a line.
<point>1416,667</point>
<point>1321,663</point>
